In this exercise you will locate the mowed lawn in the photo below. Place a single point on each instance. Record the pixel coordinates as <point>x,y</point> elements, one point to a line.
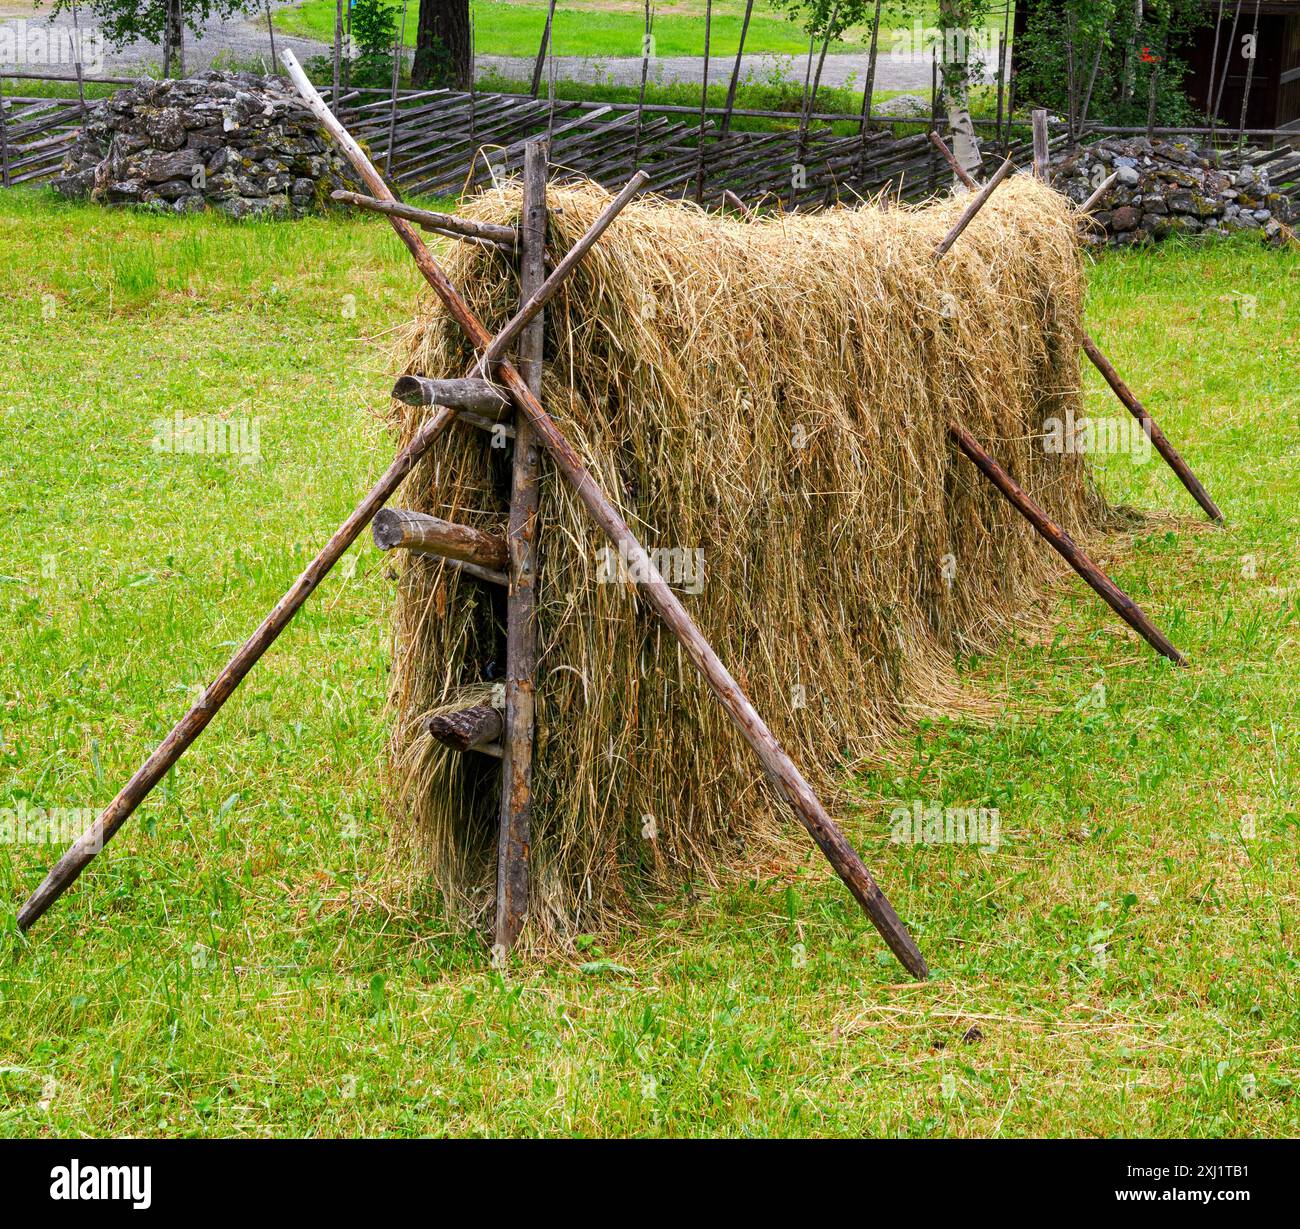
<point>249,958</point>
<point>612,28</point>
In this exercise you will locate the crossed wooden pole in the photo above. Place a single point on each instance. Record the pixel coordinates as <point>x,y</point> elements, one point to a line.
<point>532,416</point>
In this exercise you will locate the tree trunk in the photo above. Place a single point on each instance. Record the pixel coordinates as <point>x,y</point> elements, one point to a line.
<point>442,38</point>
<point>955,85</point>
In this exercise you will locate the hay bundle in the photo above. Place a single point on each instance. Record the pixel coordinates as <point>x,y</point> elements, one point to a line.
<point>771,398</point>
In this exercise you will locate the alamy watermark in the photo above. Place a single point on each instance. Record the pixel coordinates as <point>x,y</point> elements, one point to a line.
<point>1075,436</point>
<point>917,43</point>
<point>932,823</point>
<point>38,44</point>
<point>211,436</point>
<point>681,567</point>
<point>29,825</point>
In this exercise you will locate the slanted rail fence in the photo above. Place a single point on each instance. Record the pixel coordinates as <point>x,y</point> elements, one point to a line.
<point>440,142</point>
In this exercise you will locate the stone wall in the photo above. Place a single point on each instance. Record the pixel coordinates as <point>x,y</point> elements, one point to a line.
<point>238,142</point>
<point>1172,187</point>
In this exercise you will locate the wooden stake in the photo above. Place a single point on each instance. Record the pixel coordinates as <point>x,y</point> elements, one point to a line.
<point>478,396</point>
<point>398,529</point>
<point>1102,188</point>
<point>504,237</point>
<point>1150,426</point>
<point>973,207</point>
<point>1042,153</point>
<point>468,729</point>
<point>780,768</point>
<point>516,814</point>
<point>1064,545</point>
<point>223,686</point>
<point>1120,389</point>
<point>535,301</point>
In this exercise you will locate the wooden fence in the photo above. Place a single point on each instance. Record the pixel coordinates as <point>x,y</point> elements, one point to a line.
<point>440,142</point>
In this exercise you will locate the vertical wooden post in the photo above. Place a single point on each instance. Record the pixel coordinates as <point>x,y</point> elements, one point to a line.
<point>521,604</point>
<point>704,104</point>
<point>4,139</point>
<point>338,52</point>
<point>1042,152</point>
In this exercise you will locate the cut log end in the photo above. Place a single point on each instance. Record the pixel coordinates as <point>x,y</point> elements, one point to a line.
<point>466,729</point>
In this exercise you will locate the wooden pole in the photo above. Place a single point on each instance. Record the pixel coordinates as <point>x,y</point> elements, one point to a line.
<point>515,839</point>
<point>504,237</point>
<point>1227,64</point>
<point>477,396</point>
<point>1064,545</point>
<point>650,584</point>
<point>338,49</point>
<point>735,69</point>
<point>730,198</point>
<point>868,89</point>
<point>1002,69</point>
<point>4,139</point>
<point>399,529</point>
<point>399,37</point>
<point>536,86</point>
<point>1105,186</point>
<point>645,72</point>
<point>1152,428</point>
<point>1041,150</point>
<point>1107,369</point>
<point>467,729</point>
<point>704,105</point>
<point>951,159</point>
<point>270,29</point>
<point>973,206</point>
<point>535,301</point>
<point>1250,76</point>
<point>81,80</point>
<point>194,722</point>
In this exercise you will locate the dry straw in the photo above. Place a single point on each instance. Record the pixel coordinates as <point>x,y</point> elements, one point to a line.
<point>775,395</point>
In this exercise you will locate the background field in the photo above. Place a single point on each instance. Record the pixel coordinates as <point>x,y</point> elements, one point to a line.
<point>602,28</point>
<point>246,960</point>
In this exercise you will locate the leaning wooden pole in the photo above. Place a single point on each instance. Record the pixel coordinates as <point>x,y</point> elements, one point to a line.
<point>1161,441</point>
<point>1121,390</point>
<point>650,584</point>
<point>517,740</point>
<point>223,686</point>
<point>975,204</point>
<point>1064,545</point>
<point>538,296</point>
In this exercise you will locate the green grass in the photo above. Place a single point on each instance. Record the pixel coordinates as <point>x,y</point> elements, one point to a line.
<point>598,28</point>
<point>239,963</point>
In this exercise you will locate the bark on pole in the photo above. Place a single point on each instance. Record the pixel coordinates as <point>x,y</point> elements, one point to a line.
<point>468,729</point>
<point>1042,151</point>
<point>704,104</point>
<point>538,296</point>
<point>1121,390</point>
<point>540,64</point>
<point>515,837</point>
<point>338,49</point>
<point>1065,546</point>
<point>735,70</point>
<point>973,207</point>
<point>782,771</point>
<point>399,529</point>
<point>1158,438</point>
<point>223,686</point>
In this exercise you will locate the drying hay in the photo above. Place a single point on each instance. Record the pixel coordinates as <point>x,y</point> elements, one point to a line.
<point>774,395</point>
